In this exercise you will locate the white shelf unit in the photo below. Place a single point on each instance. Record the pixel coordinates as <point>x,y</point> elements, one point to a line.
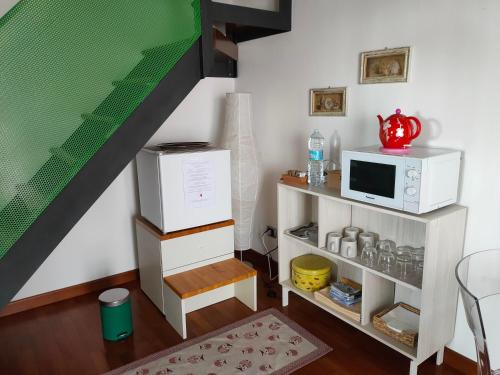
<point>435,294</point>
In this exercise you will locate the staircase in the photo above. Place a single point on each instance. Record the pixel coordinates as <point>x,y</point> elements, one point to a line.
<point>84,86</point>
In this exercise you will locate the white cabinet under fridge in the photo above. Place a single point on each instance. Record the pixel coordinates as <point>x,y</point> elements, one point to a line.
<point>182,189</point>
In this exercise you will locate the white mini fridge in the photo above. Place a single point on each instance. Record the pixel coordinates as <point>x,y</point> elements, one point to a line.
<point>182,188</point>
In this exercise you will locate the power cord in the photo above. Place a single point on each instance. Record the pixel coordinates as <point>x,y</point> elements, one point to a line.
<point>271,292</point>
<point>268,254</point>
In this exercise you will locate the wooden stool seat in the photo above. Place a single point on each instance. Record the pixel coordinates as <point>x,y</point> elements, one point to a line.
<point>203,279</point>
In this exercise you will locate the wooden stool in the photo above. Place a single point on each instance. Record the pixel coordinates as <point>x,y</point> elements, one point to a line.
<point>203,286</point>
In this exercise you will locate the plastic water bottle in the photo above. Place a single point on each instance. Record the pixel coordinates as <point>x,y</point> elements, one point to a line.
<point>315,166</point>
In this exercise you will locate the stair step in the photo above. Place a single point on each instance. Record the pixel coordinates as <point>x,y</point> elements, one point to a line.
<point>98,118</point>
<point>134,82</point>
<point>108,122</point>
<point>14,210</point>
<point>165,48</point>
<point>63,155</point>
<point>247,23</point>
<point>224,45</point>
<point>30,195</point>
<point>203,279</point>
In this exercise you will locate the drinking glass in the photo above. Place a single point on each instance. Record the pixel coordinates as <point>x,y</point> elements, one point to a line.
<point>419,269</point>
<point>404,265</point>
<point>386,261</point>
<point>369,255</point>
<point>386,245</point>
<point>404,250</point>
<point>417,257</point>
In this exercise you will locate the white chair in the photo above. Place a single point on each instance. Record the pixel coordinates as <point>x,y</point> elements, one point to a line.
<point>479,278</point>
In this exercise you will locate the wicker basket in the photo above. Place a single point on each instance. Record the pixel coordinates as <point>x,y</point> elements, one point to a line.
<point>408,338</point>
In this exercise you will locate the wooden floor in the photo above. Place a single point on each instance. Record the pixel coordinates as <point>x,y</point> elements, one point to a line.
<point>65,338</point>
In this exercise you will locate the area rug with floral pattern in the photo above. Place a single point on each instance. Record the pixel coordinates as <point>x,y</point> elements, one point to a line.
<point>265,343</point>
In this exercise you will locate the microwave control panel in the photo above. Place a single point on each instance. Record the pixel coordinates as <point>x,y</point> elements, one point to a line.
<point>413,171</point>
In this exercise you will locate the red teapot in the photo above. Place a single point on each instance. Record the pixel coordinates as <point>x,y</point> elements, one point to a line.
<point>397,131</point>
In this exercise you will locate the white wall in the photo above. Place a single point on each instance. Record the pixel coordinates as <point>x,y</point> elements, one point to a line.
<point>5,6</point>
<point>103,241</point>
<point>453,90</point>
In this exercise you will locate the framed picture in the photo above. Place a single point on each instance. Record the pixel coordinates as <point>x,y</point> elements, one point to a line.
<point>385,66</point>
<point>328,102</point>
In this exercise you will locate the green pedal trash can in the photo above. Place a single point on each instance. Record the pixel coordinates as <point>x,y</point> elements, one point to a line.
<point>116,314</point>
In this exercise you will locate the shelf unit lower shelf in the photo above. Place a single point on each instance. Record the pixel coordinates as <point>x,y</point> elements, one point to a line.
<point>369,329</point>
<point>414,284</point>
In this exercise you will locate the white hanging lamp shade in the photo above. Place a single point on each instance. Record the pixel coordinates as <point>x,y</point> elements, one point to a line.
<point>238,137</point>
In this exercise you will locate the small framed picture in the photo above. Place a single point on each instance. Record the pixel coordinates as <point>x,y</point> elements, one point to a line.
<point>328,102</point>
<point>385,66</point>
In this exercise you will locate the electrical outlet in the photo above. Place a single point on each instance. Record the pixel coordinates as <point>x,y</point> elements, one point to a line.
<point>271,231</point>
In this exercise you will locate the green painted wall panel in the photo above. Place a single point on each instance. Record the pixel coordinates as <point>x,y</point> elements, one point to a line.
<point>71,72</point>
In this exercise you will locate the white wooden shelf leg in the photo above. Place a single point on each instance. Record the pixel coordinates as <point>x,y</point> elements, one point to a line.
<point>413,368</point>
<point>246,292</point>
<point>175,311</point>
<point>183,315</point>
<point>440,356</point>
<point>284,297</point>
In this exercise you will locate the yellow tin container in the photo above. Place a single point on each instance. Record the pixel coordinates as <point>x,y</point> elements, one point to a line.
<point>311,272</point>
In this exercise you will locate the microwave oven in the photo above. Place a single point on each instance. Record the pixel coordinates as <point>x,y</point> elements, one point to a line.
<point>419,180</point>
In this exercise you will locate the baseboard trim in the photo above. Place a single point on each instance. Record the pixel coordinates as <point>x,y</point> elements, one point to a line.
<point>44,299</point>
<point>459,362</point>
<point>69,292</point>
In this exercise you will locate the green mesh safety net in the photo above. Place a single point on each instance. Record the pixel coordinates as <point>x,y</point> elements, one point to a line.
<point>71,72</point>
